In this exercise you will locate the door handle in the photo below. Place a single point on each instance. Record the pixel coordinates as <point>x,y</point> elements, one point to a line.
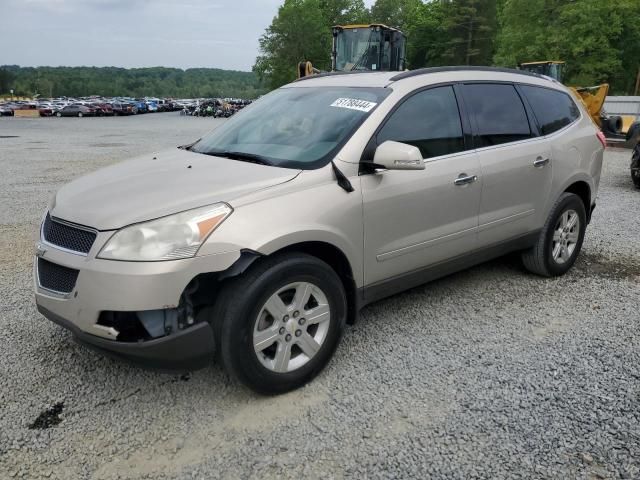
<point>464,179</point>
<point>540,162</point>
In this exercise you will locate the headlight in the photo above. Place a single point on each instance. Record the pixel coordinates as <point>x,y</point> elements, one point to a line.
<point>168,238</point>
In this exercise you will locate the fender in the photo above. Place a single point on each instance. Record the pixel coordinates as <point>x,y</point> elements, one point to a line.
<point>283,240</point>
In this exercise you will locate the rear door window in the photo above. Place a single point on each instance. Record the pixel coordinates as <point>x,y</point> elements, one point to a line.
<point>498,112</point>
<point>429,120</point>
<point>554,110</point>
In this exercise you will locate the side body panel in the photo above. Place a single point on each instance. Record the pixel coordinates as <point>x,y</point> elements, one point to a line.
<point>578,157</point>
<point>311,208</point>
<point>417,218</point>
<point>514,191</point>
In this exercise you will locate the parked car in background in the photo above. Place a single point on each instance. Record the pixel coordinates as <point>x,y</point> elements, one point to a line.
<point>6,109</point>
<point>152,107</point>
<point>103,109</point>
<point>42,110</point>
<point>141,106</point>
<point>76,111</point>
<point>46,111</point>
<point>123,108</point>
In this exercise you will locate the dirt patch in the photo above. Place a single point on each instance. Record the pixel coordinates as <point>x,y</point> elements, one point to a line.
<point>616,268</point>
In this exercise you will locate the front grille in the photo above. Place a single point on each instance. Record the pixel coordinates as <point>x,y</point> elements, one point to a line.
<point>56,277</point>
<point>67,236</point>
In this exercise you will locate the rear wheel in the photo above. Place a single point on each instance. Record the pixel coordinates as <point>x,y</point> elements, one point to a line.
<point>560,240</point>
<point>80,114</point>
<point>280,322</point>
<point>58,114</point>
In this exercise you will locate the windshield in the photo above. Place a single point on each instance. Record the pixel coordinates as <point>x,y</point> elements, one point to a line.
<point>359,49</point>
<point>293,127</point>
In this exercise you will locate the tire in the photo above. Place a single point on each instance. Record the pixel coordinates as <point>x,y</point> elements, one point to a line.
<point>547,257</point>
<point>613,124</point>
<point>243,315</point>
<point>58,115</point>
<point>80,115</point>
<point>635,166</point>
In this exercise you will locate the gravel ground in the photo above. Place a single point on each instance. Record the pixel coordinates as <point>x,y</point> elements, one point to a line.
<point>489,373</point>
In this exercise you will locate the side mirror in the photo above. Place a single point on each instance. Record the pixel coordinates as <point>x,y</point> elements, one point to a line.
<point>398,156</point>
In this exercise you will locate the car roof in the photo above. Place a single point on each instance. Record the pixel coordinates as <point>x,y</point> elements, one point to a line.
<point>422,76</point>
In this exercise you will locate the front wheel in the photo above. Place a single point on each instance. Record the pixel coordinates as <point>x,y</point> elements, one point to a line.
<point>280,322</point>
<point>58,114</point>
<point>80,115</point>
<point>560,240</point>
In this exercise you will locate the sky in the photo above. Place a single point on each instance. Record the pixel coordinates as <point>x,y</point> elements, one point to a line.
<point>134,33</point>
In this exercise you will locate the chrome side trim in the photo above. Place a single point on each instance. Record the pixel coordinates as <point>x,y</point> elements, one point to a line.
<point>426,244</point>
<point>502,221</point>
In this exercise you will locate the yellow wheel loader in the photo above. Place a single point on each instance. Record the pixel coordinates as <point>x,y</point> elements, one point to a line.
<point>372,47</point>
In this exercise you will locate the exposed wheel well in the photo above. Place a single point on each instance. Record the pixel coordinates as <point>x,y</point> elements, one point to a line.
<point>583,190</point>
<point>337,260</point>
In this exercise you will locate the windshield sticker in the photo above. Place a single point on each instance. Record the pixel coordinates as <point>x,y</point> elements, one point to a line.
<point>354,104</point>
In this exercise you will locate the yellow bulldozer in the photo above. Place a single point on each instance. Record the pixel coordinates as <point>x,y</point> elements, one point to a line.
<point>371,47</point>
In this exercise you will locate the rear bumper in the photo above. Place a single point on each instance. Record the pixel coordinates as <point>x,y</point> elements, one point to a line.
<point>185,350</point>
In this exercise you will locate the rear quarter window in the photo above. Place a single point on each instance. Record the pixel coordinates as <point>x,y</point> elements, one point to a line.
<point>554,110</point>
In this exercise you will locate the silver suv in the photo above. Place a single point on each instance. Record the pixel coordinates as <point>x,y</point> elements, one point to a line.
<point>260,241</point>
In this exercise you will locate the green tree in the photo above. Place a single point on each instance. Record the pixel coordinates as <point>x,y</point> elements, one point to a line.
<point>135,82</point>
<point>427,36</point>
<point>298,33</point>
<point>342,12</point>
<point>596,39</point>
<point>302,32</point>
<point>395,13</point>
<point>471,28</point>
<point>7,78</point>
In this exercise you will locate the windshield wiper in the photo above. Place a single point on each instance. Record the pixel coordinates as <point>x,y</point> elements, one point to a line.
<point>242,156</point>
<point>188,145</point>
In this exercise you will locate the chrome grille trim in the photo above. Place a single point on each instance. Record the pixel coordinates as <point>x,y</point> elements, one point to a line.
<point>68,225</point>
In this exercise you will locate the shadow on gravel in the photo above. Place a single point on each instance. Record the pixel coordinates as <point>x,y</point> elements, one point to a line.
<point>48,418</point>
<point>620,269</point>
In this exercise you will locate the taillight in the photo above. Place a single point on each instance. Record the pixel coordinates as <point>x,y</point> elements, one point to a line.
<point>602,138</point>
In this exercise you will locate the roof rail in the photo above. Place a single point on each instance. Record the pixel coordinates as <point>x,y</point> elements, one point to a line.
<point>425,71</point>
<point>333,74</point>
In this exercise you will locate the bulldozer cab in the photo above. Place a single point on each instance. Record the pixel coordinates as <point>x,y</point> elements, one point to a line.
<point>374,47</point>
<point>553,69</point>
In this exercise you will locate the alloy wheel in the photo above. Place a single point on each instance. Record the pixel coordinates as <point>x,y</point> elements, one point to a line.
<point>291,327</point>
<point>565,236</point>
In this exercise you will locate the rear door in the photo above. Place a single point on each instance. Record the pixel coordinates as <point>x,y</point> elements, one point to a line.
<point>515,161</point>
<point>417,218</point>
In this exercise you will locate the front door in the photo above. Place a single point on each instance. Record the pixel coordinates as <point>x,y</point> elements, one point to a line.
<point>413,219</point>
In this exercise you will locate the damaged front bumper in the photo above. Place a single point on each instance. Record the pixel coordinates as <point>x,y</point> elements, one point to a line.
<point>184,350</point>
<point>136,311</point>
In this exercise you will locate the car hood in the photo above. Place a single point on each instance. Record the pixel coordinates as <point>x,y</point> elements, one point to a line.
<point>160,184</point>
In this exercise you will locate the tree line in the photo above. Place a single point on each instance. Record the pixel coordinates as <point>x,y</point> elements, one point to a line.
<point>134,82</point>
<point>597,39</point>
